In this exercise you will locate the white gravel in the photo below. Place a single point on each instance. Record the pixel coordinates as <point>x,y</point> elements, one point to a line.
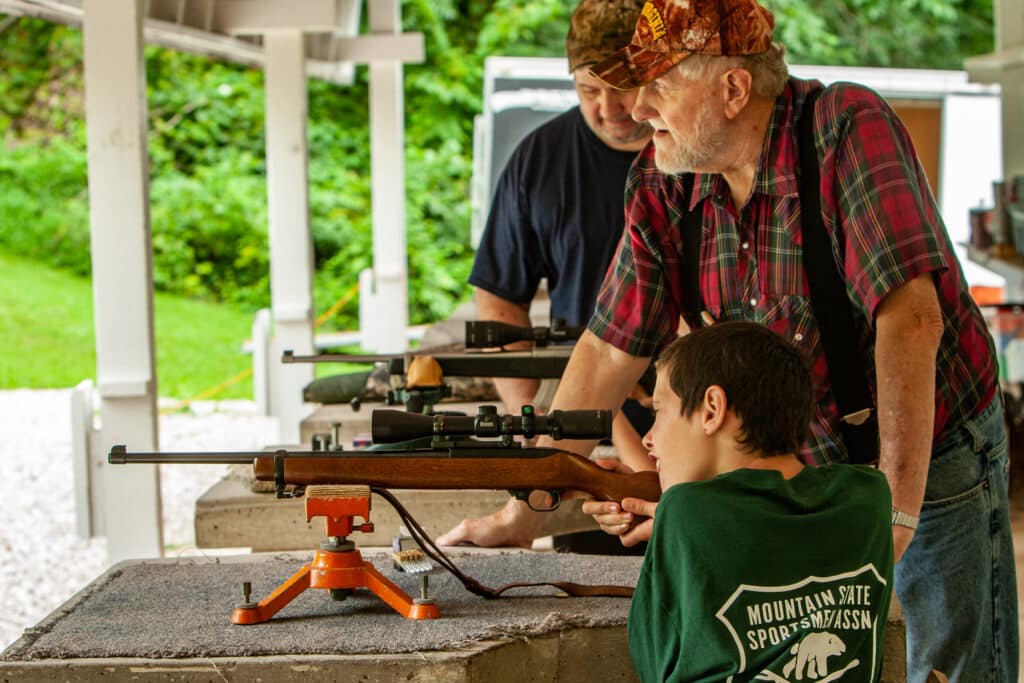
<point>42,560</point>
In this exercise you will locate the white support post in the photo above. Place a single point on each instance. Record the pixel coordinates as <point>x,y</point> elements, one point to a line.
<point>291,245</point>
<point>261,330</point>
<point>83,432</point>
<point>383,294</point>
<point>122,271</point>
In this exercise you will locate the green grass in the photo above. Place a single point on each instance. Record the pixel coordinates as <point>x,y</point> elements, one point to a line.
<point>46,335</point>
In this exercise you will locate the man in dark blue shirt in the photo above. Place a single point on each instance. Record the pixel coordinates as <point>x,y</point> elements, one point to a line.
<point>557,211</point>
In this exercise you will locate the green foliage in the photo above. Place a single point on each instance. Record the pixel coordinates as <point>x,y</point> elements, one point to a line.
<point>439,253</point>
<point>533,29</point>
<point>43,210</point>
<point>200,110</point>
<point>40,91</point>
<point>933,34</point>
<point>209,232</point>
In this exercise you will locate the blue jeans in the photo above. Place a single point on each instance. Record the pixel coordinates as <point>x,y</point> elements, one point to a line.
<point>957,582</point>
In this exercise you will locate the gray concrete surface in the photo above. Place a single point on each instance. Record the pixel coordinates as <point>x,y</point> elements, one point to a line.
<point>167,608</point>
<point>168,620</point>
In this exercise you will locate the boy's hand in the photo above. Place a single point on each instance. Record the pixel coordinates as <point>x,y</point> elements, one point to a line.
<point>625,520</point>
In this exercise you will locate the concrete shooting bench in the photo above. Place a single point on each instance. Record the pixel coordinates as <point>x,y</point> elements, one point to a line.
<point>168,620</point>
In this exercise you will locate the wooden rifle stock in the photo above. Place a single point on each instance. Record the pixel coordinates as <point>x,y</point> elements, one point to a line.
<point>552,470</point>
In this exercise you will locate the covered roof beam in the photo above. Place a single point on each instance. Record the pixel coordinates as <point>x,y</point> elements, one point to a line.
<point>202,27</point>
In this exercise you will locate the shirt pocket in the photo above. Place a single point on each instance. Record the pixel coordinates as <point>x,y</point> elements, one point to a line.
<point>789,315</point>
<point>780,258</point>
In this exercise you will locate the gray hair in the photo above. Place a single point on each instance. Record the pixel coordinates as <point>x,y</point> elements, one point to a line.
<point>768,69</point>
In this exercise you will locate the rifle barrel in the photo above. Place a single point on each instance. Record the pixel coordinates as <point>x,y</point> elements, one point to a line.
<point>119,455</point>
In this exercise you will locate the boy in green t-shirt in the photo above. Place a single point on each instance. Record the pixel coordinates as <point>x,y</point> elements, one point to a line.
<point>758,568</point>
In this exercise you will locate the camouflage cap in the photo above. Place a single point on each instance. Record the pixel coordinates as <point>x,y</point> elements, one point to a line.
<point>598,28</point>
<point>669,31</point>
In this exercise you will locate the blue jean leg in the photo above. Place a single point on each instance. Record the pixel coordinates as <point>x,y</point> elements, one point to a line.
<point>957,581</point>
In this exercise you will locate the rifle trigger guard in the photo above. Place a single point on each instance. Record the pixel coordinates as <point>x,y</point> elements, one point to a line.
<point>524,495</point>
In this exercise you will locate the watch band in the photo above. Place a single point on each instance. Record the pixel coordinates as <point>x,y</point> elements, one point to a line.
<point>900,518</point>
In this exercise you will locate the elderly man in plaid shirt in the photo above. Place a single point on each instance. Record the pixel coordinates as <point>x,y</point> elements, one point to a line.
<point>717,92</point>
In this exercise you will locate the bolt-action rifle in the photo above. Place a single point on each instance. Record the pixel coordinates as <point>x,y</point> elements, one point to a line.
<point>453,458</point>
<point>464,452</point>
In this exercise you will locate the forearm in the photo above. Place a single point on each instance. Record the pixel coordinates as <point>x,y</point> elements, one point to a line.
<point>597,377</point>
<point>514,392</point>
<point>906,417</point>
<point>629,446</point>
<point>908,332</point>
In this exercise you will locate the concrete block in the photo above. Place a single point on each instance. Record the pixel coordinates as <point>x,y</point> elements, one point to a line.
<point>230,515</point>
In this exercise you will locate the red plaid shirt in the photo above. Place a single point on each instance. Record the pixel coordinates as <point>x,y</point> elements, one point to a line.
<point>885,230</point>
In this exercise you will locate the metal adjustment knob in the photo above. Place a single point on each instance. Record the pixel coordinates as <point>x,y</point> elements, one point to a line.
<point>424,598</point>
<point>247,602</point>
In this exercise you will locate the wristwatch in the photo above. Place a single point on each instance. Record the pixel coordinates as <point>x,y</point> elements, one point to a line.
<point>900,518</point>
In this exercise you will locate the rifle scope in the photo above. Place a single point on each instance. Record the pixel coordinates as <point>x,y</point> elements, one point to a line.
<point>393,426</point>
<point>486,334</point>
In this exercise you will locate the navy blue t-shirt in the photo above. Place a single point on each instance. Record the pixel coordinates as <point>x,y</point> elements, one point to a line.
<point>557,213</point>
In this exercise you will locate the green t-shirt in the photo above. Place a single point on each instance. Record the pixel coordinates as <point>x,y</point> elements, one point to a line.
<point>752,577</point>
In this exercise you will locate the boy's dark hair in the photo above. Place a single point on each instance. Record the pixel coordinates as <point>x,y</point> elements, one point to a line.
<point>766,379</point>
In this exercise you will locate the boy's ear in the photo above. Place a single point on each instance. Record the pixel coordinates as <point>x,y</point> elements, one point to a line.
<point>713,409</point>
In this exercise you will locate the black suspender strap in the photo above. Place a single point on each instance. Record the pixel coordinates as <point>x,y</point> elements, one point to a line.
<point>832,308</point>
<point>829,301</point>
<point>692,227</point>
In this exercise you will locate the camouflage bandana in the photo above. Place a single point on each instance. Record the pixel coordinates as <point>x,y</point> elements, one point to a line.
<point>598,28</point>
<point>669,31</point>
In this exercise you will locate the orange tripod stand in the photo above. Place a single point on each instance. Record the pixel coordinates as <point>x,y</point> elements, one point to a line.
<point>337,566</point>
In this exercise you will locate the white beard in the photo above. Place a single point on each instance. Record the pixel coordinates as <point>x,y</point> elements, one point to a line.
<point>710,139</point>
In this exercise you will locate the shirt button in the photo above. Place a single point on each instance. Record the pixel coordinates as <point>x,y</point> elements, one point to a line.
<point>798,337</point>
<point>753,302</point>
<point>745,245</point>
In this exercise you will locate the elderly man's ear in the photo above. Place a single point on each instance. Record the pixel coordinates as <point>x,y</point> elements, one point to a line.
<point>736,91</point>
